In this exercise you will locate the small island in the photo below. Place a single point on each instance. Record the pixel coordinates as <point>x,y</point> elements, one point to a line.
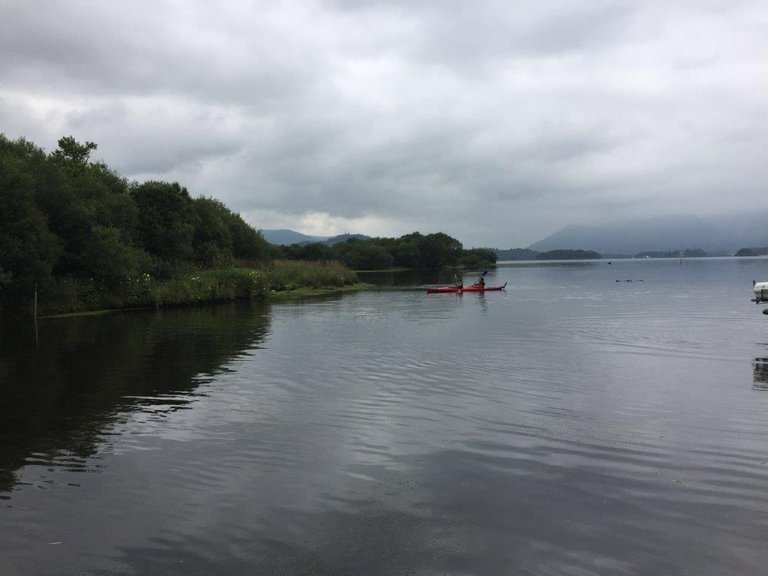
<point>563,254</point>
<point>752,252</point>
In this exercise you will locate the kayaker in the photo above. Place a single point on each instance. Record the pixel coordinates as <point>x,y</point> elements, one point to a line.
<point>480,283</point>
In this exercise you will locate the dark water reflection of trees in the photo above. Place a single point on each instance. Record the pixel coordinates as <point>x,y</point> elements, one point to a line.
<point>60,394</point>
<point>760,374</point>
<point>417,278</point>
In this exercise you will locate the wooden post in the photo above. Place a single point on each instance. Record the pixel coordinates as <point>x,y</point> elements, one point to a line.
<point>37,341</point>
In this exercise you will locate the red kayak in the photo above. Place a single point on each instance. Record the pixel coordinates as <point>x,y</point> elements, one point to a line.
<point>445,290</point>
<point>476,288</point>
<point>460,289</point>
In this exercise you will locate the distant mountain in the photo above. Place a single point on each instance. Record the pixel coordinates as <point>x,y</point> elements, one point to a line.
<point>287,237</point>
<point>713,235</point>
<point>284,237</point>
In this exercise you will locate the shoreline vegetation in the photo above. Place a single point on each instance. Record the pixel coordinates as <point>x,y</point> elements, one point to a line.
<point>76,237</point>
<point>285,281</point>
<point>524,254</point>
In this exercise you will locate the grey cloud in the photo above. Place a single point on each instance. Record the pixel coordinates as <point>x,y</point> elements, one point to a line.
<point>148,51</point>
<point>460,34</point>
<point>498,122</point>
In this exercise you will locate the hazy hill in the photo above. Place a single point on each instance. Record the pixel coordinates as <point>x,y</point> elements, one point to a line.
<point>713,235</point>
<point>284,237</point>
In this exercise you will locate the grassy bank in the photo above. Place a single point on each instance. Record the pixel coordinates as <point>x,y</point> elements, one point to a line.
<point>278,280</point>
<point>296,279</point>
<point>308,293</point>
<point>287,275</point>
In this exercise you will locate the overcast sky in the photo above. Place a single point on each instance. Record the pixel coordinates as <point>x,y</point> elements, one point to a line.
<point>495,122</point>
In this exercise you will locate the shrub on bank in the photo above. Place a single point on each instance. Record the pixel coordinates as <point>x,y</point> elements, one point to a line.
<point>292,274</point>
<point>70,294</point>
<point>216,285</point>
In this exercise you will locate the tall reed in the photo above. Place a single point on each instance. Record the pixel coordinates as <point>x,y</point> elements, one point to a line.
<point>196,287</point>
<point>292,274</point>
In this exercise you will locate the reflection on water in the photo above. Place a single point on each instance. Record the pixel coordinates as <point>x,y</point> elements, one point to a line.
<point>760,374</point>
<point>410,278</point>
<point>59,396</point>
<point>561,264</point>
<point>570,425</point>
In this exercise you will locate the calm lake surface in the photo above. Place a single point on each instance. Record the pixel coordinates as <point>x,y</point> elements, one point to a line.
<point>575,424</point>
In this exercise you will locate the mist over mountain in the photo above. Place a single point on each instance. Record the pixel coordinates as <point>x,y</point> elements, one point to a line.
<point>285,237</point>
<point>715,235</point>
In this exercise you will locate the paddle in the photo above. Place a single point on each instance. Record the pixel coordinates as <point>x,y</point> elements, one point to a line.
<point>481,276</point>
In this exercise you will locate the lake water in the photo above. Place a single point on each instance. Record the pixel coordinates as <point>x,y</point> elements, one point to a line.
<point>594,418</point>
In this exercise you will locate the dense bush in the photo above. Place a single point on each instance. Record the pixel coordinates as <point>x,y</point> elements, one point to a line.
<point>195,286</point>
<point>291,274</point>
<point>478,257</point>
<point>563,254</point>
<point>213,286</point>
<point>81,235</point>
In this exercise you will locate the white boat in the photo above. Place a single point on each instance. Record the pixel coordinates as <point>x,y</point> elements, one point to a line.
<point>760,290</point>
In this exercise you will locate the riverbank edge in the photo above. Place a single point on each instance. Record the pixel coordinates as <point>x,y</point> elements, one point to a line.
<point>275,296</point>
<point>306,293</point>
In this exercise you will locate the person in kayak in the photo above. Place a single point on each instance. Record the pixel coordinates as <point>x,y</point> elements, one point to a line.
<point>480,283</point>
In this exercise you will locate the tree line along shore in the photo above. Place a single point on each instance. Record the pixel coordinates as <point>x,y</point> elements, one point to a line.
<point>77,236</point>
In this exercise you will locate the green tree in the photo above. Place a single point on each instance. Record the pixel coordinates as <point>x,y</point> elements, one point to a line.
<point>212,239</point>
<point>85,196</point>
<point>28,249</point>
<point>72,155</point>
<point>478,257</point>
<point>77,226</point>
<point>405,251</point>
<point>110,260</point>
<point>166,220</point>
<point>313,251</point>
<point>439,250</point>
<point>362,254</point>
<point>247,243</point>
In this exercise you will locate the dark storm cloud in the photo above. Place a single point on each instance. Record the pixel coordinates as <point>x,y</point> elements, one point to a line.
<point>496,122</point>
